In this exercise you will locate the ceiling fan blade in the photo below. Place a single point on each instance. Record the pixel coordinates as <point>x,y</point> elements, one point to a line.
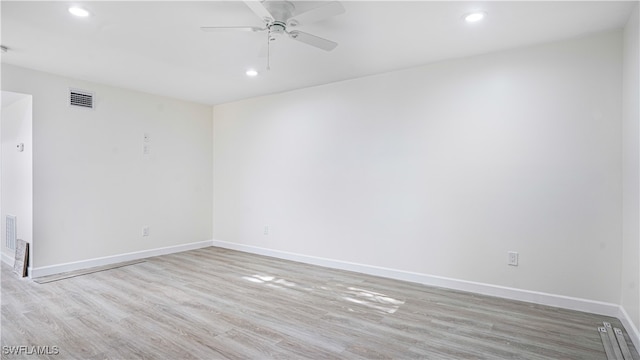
<point>231,28</point>
<point>258,8</point>
<point>322,12</point>
<point>313,40</point>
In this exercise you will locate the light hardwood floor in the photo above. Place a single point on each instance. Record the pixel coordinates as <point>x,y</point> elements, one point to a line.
<point>215,303</point>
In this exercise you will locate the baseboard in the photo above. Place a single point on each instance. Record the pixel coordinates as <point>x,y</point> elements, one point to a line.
<point>107,260</point>
<point>629,326</point>
<point>566,302</point>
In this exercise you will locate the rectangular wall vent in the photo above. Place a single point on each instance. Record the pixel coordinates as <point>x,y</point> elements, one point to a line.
<point>11,232</point>
<point>81,98</point>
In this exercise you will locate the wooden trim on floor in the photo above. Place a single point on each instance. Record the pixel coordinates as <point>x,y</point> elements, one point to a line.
<point>108,260</point>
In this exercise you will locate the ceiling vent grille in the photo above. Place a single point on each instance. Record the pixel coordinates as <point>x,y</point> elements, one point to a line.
<point>81,98</point>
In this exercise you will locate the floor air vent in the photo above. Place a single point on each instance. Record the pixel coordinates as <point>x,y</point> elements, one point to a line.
<point>81,98</point>
<point>11,232</point>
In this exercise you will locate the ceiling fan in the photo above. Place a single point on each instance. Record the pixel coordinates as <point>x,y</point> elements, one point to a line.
<point>280,19</point>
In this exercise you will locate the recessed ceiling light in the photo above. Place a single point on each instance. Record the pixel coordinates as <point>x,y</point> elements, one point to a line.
<point>77,11</point>
<point>252,73</point>
<point>474,16</point>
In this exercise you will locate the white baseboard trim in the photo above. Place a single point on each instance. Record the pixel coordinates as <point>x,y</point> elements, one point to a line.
<point>7,259</point>
<point>631,329</point>
<point>560,301</point>
<point>10,260</point>
<point>108,260</point>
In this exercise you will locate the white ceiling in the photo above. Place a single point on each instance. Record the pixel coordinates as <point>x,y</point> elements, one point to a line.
<point>157,46</point>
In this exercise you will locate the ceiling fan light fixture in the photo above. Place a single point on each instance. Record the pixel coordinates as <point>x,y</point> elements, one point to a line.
<point>78,11</point>
<point>474,16</point>
<point>251,73</point>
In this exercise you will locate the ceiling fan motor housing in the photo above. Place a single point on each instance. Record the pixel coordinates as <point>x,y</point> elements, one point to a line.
<point>276,29</point>
<point>281,12</point>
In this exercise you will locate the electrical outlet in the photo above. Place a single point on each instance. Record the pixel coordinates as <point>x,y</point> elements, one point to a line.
<point>266,230</point>
<point>146,149</point>
<point>513,258</point>
<point>145,231</point>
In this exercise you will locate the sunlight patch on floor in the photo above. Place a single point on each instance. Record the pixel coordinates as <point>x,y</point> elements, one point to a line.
<point>373,300</point>
<point>272,281</point>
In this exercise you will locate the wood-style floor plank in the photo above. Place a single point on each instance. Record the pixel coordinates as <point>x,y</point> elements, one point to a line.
<point>216,303</point>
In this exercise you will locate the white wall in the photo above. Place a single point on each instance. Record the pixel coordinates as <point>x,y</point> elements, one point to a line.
<point>440,169</point>
<point>631,163</point>
<point>93,188</point>
<point>17,168</point>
